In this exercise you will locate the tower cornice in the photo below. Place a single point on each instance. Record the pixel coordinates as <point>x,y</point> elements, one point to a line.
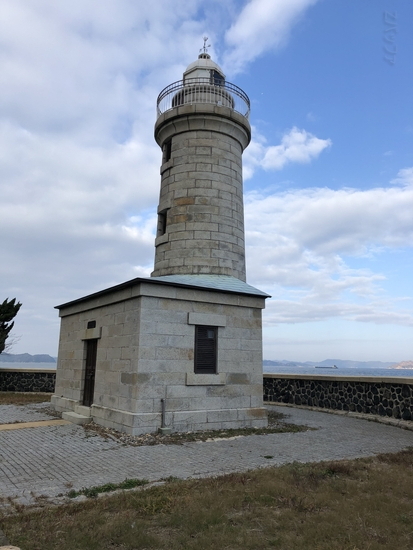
<point>202,117</point>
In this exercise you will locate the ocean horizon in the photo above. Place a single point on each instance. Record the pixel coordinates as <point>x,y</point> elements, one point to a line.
<point>296,369</point>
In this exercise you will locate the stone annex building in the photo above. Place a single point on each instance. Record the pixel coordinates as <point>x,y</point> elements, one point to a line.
<point>180,350</point>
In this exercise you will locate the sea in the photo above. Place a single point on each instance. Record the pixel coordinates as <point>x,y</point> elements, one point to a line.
<point>343,371</point>
<point>340,371</point>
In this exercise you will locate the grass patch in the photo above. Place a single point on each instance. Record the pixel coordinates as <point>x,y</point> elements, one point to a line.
<point>361,504</point>
<point>93,492</point>
<point>23,398</point>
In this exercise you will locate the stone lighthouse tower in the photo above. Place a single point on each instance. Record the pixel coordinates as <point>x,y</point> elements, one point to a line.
<point>202,129</point>
<point>180,350</point>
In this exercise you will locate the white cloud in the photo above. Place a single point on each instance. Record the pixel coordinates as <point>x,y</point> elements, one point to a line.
<point>296,146</point>
<point>404,177</point>
<point>262,25</point>
<point>302,243</point>
<point>79,170</point>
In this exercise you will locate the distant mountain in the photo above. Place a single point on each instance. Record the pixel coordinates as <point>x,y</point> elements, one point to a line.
<point>340,363</point>
<point>268,363</point>
<point>26,358</point>
<point>403,365</point>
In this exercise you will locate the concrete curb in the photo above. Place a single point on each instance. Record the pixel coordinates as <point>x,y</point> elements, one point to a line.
<point>403,424</point>
<point>36,424</point>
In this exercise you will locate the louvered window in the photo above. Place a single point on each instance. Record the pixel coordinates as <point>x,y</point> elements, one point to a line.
<point>206,349</point>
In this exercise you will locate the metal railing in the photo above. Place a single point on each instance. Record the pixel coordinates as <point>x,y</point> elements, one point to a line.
<point>203,90</point>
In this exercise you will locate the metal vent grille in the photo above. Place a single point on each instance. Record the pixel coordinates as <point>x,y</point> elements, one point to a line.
<point>206,349</point>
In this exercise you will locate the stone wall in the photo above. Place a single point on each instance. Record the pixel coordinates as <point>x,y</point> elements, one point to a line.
<point>27,380</point>
<point>391,397</point>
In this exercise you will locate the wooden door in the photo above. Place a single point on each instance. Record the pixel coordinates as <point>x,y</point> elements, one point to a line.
<point>90,370</point>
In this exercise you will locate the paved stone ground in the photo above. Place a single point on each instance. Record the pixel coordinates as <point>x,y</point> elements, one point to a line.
<point>23,413</point>
<point>48,461</point>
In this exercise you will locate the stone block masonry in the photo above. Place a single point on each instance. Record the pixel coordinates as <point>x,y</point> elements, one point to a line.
<point>391,397</point>
<point>379,396</point>
<point>145,353</point>
<point>201,216</point>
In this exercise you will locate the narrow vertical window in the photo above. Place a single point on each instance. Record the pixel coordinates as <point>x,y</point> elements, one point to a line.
<point>205,350</point>
<point>90,371</point>
<point>166,151</point>
<point>161,229</point>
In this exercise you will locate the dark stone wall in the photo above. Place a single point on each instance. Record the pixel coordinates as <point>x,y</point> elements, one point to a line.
<point>385,397</point>
<point>27,381</point>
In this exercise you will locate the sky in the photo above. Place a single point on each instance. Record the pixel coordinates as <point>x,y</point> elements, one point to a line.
<point>328,176</point>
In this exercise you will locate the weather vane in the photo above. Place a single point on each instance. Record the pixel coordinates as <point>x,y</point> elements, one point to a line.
<point>206,46</point>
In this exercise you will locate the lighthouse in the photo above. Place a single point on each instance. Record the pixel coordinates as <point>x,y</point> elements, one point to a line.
<point>180,350</point>
<point>202,128</point>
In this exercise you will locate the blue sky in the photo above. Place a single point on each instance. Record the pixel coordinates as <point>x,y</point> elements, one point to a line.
<point>328,174</point>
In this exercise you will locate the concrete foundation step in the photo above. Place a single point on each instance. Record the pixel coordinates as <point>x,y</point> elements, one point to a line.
<point>81,409</point>
<point>76,418</point>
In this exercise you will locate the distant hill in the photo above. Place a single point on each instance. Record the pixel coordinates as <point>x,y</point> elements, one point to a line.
<point>268,363</point>
<point>340,363</point>
<point>26,358</point>
<point>403,365</point>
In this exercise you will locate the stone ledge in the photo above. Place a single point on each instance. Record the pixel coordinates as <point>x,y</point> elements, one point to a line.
<point>162,239</point>
<point>193,379</point>
<point>60,403</point>
<point>91,333</point>
<point>76,418</point>
<point>166,165</point>
<point>369,379</point>
<point>28,371</point>
<point>207,319</point>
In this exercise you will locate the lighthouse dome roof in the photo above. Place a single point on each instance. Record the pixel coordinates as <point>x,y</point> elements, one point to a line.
<point>203,64</point>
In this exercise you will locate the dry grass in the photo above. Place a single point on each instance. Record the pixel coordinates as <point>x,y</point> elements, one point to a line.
<point>347,505</point>
<point>277,423</point>
<point>23,398</point>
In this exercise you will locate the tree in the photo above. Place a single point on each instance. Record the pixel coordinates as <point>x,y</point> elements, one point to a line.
<point>8,311</point>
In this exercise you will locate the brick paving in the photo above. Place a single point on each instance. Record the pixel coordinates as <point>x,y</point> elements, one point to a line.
<point>23,413</point>
<point>49,460</point>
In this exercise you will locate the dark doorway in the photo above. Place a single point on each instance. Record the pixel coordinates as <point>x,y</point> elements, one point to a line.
<point>90,370</point>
